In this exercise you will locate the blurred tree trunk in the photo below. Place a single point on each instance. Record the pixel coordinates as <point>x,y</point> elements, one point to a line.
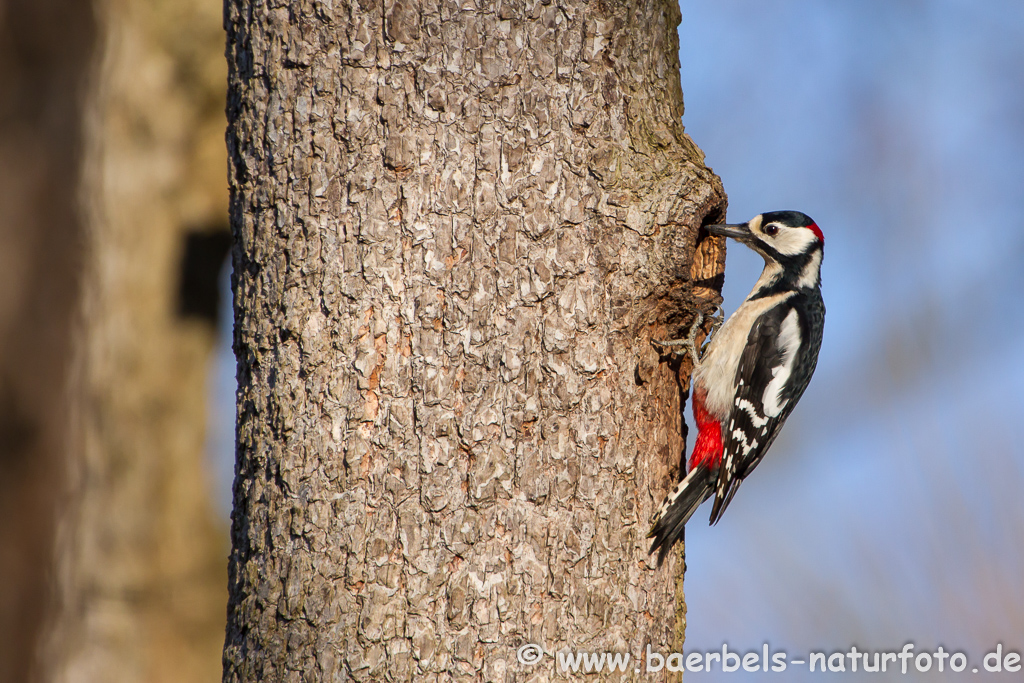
<point>140,556</point>
<point>457,230</point>
<point>45,51</point>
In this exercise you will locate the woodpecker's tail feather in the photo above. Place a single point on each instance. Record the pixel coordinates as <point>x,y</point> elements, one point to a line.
<point>679,506</point>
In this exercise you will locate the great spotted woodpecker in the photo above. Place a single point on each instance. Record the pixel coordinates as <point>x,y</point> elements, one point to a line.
<point>753,371</point>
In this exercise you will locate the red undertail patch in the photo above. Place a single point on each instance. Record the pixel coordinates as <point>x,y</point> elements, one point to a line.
<point>708,449</point>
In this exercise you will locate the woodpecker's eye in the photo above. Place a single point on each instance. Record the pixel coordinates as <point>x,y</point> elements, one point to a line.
<point>771,229</point>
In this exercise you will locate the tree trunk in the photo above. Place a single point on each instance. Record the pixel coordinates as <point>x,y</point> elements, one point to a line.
<point>140,554</point>
<point>45,49</point>
<point>457,230</point>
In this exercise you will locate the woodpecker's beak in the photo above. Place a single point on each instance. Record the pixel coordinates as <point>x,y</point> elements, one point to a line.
<point>737,231</point>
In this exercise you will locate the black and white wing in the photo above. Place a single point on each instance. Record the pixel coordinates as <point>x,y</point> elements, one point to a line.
<point>774,369</point>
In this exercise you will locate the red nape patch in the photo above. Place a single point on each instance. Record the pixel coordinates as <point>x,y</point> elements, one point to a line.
<point>708,449</point>
<point>813,227</point>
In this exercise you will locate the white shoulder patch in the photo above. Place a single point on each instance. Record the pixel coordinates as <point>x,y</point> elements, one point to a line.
<point>789,342</point>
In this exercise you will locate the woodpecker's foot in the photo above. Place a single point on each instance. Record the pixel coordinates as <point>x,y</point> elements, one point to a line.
<point>689,344</point>
<point>717,318</point>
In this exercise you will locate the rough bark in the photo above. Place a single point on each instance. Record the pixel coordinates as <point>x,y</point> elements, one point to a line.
<point>140,555</point>
<point>457,227</point>
<point>45,50</point>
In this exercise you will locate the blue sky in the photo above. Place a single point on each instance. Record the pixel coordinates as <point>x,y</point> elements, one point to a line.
<point>890,509</point>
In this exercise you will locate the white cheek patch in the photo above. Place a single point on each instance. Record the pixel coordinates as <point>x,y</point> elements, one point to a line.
<point>789,342</point>
<point>792,241</point>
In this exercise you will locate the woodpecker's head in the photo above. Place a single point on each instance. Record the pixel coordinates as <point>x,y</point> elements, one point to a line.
<point>789,241</point>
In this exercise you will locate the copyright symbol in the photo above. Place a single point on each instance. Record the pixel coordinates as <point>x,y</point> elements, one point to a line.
<point>529,654</point>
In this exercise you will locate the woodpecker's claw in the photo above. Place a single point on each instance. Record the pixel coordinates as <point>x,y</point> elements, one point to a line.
<point>717,318</point>
<point>690,343</point>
